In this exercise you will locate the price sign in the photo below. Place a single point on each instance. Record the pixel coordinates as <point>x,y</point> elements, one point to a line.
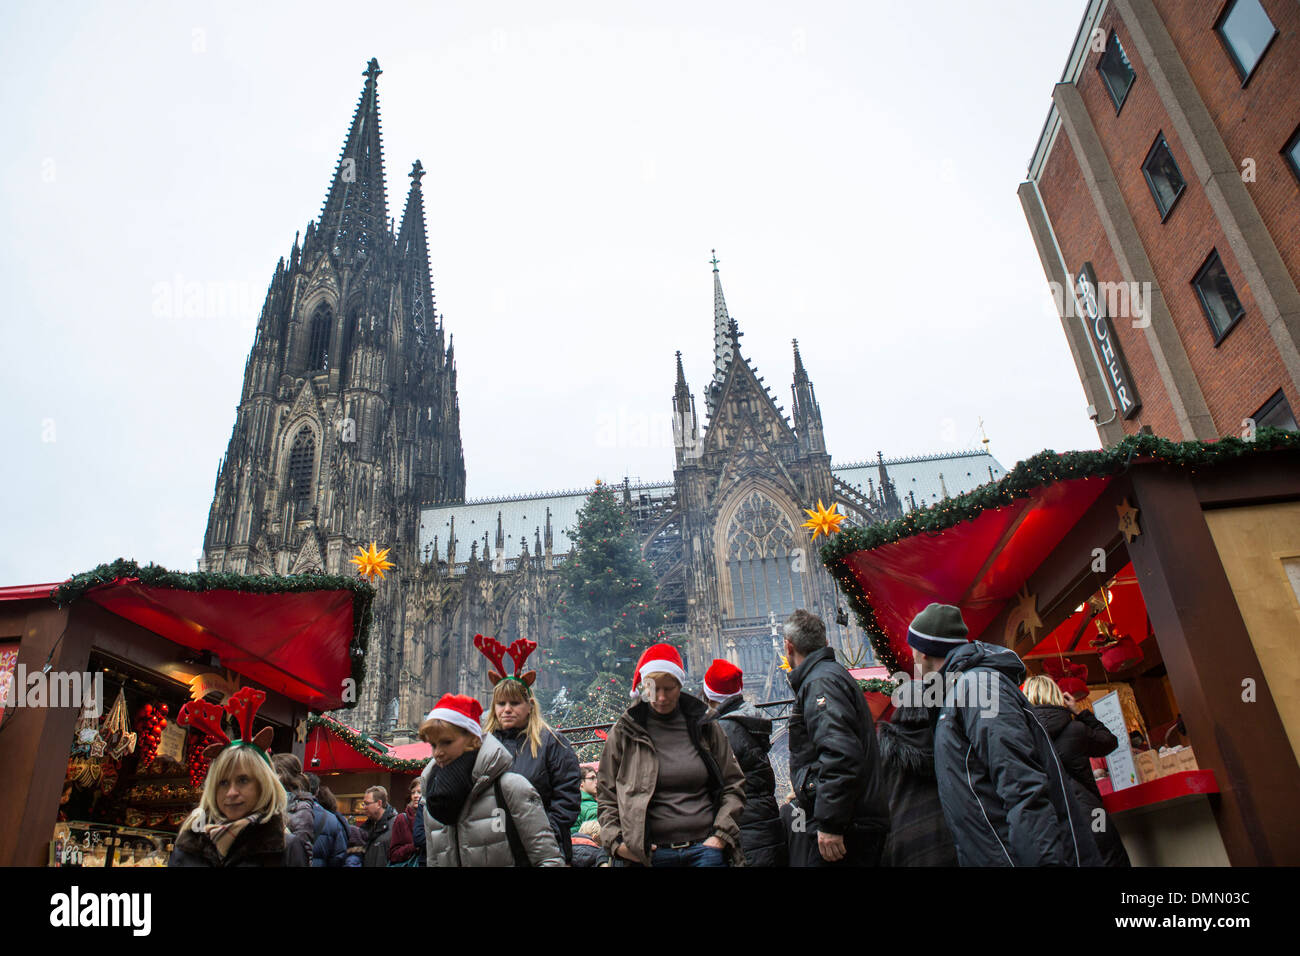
<point>1119,762</point>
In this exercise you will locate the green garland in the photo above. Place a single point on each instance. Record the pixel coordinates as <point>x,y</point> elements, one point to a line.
<point>367,746</point>
<point>153,575</point>
<point>878,685</point>
<point>1042,469</point>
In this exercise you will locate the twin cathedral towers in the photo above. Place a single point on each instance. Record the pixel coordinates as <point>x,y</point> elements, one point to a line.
<point>348,431</point>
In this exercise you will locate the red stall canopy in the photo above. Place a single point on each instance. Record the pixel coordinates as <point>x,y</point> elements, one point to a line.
<point>343,749</point>
<point>977,565</point>
<point>293,635</point>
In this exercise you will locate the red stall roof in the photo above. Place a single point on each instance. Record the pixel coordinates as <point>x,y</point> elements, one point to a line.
<point>977,565</point>
<point>343,749</point>
<point>977,550</point>
<point>302,636</point>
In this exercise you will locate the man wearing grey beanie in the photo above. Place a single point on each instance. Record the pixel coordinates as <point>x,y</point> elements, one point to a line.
<point>1002,787</point>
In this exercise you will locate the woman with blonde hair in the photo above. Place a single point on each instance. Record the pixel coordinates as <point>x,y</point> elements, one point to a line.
<point>1076,736</point>
<point>240,819</point>
<point>470,792</point>
<point>540,754</point>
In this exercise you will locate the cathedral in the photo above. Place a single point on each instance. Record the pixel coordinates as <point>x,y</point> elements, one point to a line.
<point>348,431</point>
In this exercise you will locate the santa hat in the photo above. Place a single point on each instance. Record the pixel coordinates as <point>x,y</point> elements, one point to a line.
<point>937,630</point>
<point>723,679</point>
<point>459,711</point>
<point>659,659</point>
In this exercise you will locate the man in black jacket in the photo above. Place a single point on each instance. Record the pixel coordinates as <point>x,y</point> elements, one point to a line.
<point>750,734</point>
<point>834,760</point>
<point>378,827</point>
<point>1003,790</point>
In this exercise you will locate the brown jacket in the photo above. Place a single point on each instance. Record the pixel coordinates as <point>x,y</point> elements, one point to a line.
<point>629,770</point>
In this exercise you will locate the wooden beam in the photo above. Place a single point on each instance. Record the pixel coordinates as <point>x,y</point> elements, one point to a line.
<point>1208,654</point>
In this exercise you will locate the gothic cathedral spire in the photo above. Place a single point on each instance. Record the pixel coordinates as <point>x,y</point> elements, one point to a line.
<point>354,219</point>
<point>726,341</point>
<point>348,421</point>
<point>806,412</point>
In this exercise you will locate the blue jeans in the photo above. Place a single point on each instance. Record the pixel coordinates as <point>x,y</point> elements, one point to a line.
<point>697,854</point>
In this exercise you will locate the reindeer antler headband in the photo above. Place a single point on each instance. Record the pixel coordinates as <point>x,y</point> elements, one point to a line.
<point>519,651</point>
<point>242,706</point>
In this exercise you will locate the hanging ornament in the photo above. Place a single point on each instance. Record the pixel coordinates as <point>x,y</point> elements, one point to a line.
<point>1071,678</point>
<point>825,521</point>
<point>1128,523</point>
<point>116,730</point>
<point>1023,618</point>
<point>197,761</point>
<point>371,563</point>
<point>1117,651</point>
<point>149,725</point>
<point>108,775</point>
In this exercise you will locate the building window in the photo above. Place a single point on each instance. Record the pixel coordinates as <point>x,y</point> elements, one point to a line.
<point>760,540</point>
<point>302,460</point>
<point>1116,71</point>
<point>1291,152</point>
<point>322,321</point>
<point>1276,413</point>
<point>1163,177</point>
<point>1218,297</point>
<point>1246,32</point>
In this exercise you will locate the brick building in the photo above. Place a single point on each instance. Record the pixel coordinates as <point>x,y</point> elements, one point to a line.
<point>1164,200</point>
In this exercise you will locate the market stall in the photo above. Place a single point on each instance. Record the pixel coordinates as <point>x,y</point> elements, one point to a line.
<point>348,761</point>
<point>1162,576</point>
<point>97,773</point>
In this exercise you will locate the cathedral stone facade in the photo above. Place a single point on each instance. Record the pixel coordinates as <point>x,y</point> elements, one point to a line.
<point>348,432</point>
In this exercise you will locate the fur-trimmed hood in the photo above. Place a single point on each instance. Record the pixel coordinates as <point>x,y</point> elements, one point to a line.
<point>907,741</point>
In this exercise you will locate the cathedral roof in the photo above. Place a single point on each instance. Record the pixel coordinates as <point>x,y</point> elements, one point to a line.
<point>961,471</point>
<point>522,515</point>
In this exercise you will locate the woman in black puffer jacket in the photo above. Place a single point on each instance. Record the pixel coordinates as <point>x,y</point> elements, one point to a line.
<point>762,835</point>
<point>1077,735</point>
<point>540,754</point>
<point>918,834</point>
<point>300,812</point>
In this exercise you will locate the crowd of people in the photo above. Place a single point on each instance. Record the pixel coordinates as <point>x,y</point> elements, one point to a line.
<point>992,770</point>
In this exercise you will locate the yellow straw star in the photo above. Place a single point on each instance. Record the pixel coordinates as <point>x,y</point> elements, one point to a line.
<point>824,520</point>
<point>369,563</point>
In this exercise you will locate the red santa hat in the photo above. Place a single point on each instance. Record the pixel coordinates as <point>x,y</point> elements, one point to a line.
<point>723,679</point>
<point>659,659</point>
<point>459,711</point>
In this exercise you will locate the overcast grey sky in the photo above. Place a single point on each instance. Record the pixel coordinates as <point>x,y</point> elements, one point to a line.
<point>854,165</point>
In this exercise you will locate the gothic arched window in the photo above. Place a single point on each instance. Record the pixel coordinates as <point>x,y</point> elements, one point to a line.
<point>760,540</point>
<point>322,323</point>
<point>302,459</point>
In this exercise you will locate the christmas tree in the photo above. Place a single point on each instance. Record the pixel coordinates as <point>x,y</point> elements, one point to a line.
<point>607,613</point>
<point>601,703</point>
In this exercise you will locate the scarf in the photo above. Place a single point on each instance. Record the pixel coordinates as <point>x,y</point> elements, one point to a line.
<point>223,835</point>
<point>449,788</point>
